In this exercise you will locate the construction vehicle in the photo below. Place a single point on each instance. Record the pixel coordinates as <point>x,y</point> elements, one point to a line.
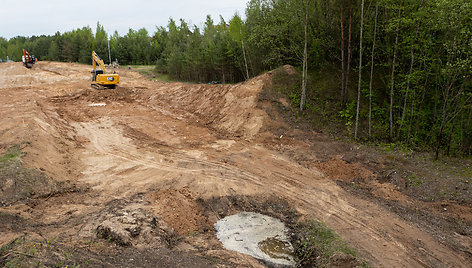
<point>28,60</point>
<point>100,78</point>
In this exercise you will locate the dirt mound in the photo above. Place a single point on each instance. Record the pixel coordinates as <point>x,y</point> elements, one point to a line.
<point>230,109</point>
<point>241,110</point>
<point>338,169</point>
<point>179,209</point>
<point>126,224</point>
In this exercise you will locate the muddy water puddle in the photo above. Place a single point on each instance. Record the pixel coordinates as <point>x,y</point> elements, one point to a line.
<point>276,248</point>
<point>258,235</point>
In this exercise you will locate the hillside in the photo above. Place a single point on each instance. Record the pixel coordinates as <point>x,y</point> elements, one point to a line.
<point>139,175</point>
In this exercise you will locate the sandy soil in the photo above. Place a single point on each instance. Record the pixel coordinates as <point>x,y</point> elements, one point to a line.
<point>143,164</point>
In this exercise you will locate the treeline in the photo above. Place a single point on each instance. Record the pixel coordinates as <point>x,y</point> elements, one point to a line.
<point>214,53</point>
<point>136,47</point>
<point>394,71</point>
<point>186,53</point>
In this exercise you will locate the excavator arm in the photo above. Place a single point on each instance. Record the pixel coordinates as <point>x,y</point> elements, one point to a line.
<point>100,78</point>
<point>99,61</point>
<point>28,60</point>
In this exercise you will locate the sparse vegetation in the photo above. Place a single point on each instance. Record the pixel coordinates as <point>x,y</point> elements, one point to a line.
<point>413,180</point>
<point>46,253</point>
<point>13,154</point>
<point>318,246</point>
<point>152,73</point>
<point>19,183</point>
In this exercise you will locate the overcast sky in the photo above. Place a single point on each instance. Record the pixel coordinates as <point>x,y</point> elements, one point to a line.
<point>37,17</point>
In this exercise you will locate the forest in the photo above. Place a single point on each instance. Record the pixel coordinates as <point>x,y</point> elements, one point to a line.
<point>396,72</point>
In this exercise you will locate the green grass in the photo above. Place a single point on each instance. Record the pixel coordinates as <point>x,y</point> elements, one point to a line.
<point>13,154</point>
<point>151,72</point>
<point>155,76</point>
<point>317,244</point>
<point>142,66</point>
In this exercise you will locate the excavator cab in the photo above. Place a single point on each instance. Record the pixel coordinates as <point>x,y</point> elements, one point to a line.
<point>100,79</point>
<point>95,73</point>
<point>28,60</point>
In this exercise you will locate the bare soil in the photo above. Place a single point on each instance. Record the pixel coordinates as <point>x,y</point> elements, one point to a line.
<point>137,176</point>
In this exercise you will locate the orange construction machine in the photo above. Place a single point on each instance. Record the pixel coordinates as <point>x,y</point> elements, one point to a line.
<point>28,60</point>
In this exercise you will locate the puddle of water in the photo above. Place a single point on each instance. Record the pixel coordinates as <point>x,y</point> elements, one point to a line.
<point>276,248</point>
<point>258,235</point>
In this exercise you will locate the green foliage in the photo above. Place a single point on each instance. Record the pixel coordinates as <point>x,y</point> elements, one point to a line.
<point>295,99</point>
<point>100,43</point>
<point>318,244</point>
<point>136,47</point>
<point>395,147</point>
<point>213,54</point>
<point>347,114</point>
<point>431,104</point>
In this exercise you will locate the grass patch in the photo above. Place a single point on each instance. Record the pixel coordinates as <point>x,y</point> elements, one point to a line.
<point>319,246</point>
<point>13,154</point>
<point>46,253</point>
<point>152,73</point>
<point>142,66</point>
<point>414,180</point>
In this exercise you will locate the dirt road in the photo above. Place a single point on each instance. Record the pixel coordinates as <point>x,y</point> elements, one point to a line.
<point>151,153</point>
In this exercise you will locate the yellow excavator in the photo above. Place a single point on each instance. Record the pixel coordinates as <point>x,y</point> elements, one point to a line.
<point>100,78</point>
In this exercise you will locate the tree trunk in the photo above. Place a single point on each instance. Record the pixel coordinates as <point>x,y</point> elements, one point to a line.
<point>466,139</point>
<point>245,61</point>
<point>412,111</point>
<point>438,145</point>
<point>360,70</point>
<point>420,106</point>
<point>451,100</point>
<point>348,67</point>
<point>444,115</point>
<point>223,72</point>
<point>372,71</point>
<point>412,61</point>
<point>435,115</point>
<point>305,73</point>
<point>449,140</point>
<point>393,75</point>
